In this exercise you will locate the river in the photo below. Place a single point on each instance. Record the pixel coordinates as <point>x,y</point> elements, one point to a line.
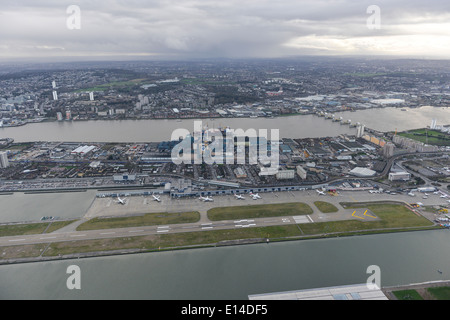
<point>298,126</point>
<point>235,272</point>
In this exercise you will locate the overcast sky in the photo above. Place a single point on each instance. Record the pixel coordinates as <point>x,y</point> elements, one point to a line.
<point>223,28</point>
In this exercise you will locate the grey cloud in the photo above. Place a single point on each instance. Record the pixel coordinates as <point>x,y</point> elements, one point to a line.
<point>199,28</point>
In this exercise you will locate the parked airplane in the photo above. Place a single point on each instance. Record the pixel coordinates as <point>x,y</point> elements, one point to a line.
<point>255,196</point>
<point>121,201</point>
<point>156,198</point>
<point>411,194</point>
<point>321,193</point>
<point>239,197</point>
<point>444,196</point>
<point>205,199</point>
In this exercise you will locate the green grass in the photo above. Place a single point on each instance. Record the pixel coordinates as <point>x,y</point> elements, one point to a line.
<point>58,225</point>
<point>390,216</point>
<point>431,137</point>
<point>114,84</point>
<point>259,211</point>
<point>148,219</point>
<point>407,295</point>
<point>22,229</point>
<point>31,228</point>
<point>440,293</point>
<point>325,207</point>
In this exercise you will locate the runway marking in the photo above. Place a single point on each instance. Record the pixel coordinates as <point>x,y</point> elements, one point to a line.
<point>203,228</point>
<point>47,238</point>
<point>300,219</point>
<point>164,227</point>
<point>17,240</point>
<point>273,220</point>
<point>107,233</point>
<point>353,215</point>
<point>78,235</point>
<point>166,230</point>
<point>309,218</point>
<point>365,214</point>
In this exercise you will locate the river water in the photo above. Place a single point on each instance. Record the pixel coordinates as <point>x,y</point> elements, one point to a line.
<point>300,126</point>
<point>236,272</point>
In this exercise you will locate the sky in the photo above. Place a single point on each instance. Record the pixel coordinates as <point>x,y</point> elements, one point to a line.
<point>179,29</point>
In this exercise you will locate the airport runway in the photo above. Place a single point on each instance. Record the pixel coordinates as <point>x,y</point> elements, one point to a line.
<point>141,205</point>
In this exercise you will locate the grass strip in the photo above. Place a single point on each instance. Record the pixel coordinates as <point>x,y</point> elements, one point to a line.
<point>148,219</point>
<point>259,211</point>
<point>325,207</point>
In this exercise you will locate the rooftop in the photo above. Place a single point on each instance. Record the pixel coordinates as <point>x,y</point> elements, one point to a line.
<point>349,292</point>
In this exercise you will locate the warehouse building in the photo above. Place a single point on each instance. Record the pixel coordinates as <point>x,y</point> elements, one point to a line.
<point>399,176</point>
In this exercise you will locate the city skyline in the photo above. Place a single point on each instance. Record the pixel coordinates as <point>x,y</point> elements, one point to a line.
<point>211,29</point>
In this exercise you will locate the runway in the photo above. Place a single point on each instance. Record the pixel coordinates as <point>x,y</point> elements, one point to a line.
<point>103,207</point>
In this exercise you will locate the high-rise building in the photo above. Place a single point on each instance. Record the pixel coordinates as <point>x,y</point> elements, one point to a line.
<point>301,172</point>
<point>68,115</point>
<point>59,116</point>
<point>91,96</point>
<point>55,95</point>
<point>388,150</point>
<point>360,131</point>
<point>4,163</point>
<point>54,84</point>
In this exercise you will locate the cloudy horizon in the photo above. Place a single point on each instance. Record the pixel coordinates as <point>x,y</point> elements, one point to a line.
<point>179,29</point>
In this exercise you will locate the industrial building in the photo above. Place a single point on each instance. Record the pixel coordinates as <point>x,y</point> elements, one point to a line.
<point>399,176</point>
<point>125,178</point>
<point>362,172</point>
<point>285,174</point>
<point>350,292</point>
<point>83,150</point>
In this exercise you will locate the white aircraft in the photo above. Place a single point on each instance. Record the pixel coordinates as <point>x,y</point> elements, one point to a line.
<point>205,199</point>
<point>444,196</point>
<point>255,196</point>
<point>239,197</point>
<point>411,194</point>
<point>321,193</point>
<point>156,198</point>
<point>121,201</point>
